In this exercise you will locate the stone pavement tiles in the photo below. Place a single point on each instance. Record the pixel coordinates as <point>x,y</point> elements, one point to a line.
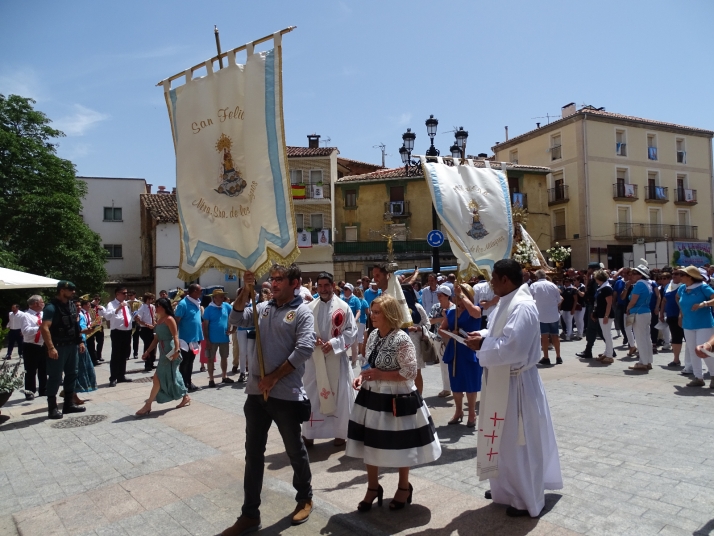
<point>634,448</point>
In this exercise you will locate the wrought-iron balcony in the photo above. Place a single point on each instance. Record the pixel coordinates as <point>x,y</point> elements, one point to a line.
<point>624,192</point>
<point>397,209</point>
<point>632,231</point>
<point>558,195</point>
<point>683,196</point>
<point>656,194</point>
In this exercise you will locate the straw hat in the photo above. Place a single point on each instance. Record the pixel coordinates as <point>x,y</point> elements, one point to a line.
<point>693,272</point>
<point>218,292</point>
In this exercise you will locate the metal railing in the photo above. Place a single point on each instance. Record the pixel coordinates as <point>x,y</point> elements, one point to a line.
<point>559,232</point>
<point>624,191</point>
<point>397,209</point>
<point>631,231</point>
<point>559,194</point>
<point>401,246</point>
<point>683,195</point>
<point>658,194</point>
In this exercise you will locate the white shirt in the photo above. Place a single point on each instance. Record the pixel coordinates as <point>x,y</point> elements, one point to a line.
<point>305,294</point>
<point>484,292</point>
<point>547,298</point>
<point>115,316</point>
<point>429,298</point>
<point>30,325</point>
<point>146,314</point>
<point>15,320</point>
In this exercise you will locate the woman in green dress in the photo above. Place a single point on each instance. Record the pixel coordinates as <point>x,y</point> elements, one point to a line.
<point>168,383</point>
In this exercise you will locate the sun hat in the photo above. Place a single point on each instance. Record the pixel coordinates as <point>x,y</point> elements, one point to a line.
<point>692,272</point>
<point>643,269</point>
<point>444,289</point>
<point>218,292</point>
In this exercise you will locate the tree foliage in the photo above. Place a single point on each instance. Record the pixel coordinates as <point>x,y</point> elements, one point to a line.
<point>41,230</point>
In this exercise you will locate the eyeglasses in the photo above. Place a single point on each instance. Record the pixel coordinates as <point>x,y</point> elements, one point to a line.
<point>278,279</point>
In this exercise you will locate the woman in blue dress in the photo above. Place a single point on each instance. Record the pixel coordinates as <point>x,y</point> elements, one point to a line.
<point>168,383</point>
<point>86,378</point>
<point>464,368</point>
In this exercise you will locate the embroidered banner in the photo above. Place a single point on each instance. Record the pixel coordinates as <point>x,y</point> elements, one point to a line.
<point>233,193</point>
<point>474,206</point>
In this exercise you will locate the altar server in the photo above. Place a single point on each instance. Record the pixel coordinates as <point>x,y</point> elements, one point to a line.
<point>516,448</point>
<point>328,375</point>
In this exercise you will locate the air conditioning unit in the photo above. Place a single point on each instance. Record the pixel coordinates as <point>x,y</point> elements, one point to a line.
<point>396,208</point>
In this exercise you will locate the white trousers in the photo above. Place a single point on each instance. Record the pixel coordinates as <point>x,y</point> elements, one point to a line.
<point>241,343</point>
<point>641,329</point>
<point>629,331</point>
<point>580,322</point>
<point>568,321</point>
<point>694,338</point>
<point>667,336</point>
<point>607,336</point>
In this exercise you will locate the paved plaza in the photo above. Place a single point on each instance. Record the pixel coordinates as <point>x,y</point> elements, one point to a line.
<point>636,450</point>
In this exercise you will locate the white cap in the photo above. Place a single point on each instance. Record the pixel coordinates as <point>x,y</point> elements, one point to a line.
<point>444,289</point>
<point>349,286</point>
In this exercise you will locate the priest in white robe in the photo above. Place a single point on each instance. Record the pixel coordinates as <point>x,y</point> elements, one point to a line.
<point>328,375</point>
<point>516,449</point>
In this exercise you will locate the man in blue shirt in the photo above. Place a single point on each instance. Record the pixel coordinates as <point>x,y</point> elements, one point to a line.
<point>188,318</point>
<point>618,286</point>
<point>215,331</point>
<point>356,307</point>
<point>372,292</point>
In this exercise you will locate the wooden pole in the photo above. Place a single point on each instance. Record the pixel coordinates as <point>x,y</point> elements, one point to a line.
<point>259,347</point>
<point>456,318</point>
<point>225,55</point>
<point>218,46</point>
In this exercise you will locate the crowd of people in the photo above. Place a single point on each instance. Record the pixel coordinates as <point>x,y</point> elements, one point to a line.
<point>342,361</point>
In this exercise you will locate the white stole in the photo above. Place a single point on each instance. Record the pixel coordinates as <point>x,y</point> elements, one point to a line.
<point>494,398</point>
<point>327,371</point>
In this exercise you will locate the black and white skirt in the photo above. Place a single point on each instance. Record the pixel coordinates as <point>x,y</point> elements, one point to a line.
<point>377,436</point>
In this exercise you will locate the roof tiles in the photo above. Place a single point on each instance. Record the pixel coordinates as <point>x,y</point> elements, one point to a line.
<point>162,207</point>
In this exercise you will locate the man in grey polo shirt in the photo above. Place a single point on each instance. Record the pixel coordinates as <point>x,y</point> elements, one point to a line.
<point>287,336</point>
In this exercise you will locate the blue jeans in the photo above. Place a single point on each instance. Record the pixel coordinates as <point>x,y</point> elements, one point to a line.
<point>259,416</point>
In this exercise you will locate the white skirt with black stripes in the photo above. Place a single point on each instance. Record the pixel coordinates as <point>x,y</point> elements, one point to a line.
<point>379,438</point>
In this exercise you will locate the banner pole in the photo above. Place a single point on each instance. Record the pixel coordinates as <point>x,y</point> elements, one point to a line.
<point>456,317</point>
<point>258,346</point>
<point>218,46</point>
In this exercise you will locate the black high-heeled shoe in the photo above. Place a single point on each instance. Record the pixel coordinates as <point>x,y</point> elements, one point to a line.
<point>365,506</point>
<point>396,505</point>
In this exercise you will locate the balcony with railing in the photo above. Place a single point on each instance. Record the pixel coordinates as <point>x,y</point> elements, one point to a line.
<point>656,194</point>
<point>380,247</point>
<point>559,232</point>
<point>683,196</point>
<point>651,231</point>
<point>397,209</point>
<point>311,192</point>
<point>519,199</point>
<point>624,191</point>
<point>558,195</point>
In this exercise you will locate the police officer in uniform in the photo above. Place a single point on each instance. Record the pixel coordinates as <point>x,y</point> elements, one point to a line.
<point>60,331</point>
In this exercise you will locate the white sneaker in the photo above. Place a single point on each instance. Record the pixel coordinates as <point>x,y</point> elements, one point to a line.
<point>667,347</point>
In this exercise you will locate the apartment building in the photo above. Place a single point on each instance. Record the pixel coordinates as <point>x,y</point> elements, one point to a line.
<point>619,180</point>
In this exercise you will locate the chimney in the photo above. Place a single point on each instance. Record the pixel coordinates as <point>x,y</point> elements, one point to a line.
<point>567,110</point>
<point>162,190</point>
<point>537,125</point>
<point>506,132</point>
<point>173,190</point>
<point>148,188</point>
<point>483,155</point>
<point>313,141</point>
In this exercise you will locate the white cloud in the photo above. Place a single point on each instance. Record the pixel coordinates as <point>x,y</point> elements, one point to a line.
<point>80,122</point>
<point>404,119</point>
<point>24,82</point>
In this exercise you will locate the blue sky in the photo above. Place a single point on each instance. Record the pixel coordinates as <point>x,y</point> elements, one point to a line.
<point>359,73</point>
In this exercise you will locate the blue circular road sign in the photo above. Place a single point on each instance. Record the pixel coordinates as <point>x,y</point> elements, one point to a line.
<point>435,238</point>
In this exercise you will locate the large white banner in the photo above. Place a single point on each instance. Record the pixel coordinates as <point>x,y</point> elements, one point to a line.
<point>233,194</point>
<point>474,206</point>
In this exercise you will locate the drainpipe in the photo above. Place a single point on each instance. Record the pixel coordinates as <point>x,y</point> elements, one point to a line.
<point>711,182</point>
<point>587,187</point>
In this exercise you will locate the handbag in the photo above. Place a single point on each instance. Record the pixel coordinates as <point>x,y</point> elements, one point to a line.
<point>407,404</point>
<point>427,345</point>
<point>305,410</point>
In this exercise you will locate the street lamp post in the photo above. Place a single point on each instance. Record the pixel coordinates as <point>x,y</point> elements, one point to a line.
<point>412,167</point>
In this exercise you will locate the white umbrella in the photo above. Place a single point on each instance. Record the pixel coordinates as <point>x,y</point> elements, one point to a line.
<point>14,279</point>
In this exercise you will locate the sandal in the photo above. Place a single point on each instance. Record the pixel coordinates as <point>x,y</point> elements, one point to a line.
<point>365,506</point>
<point>185,402</point>
<point>456,420</point>
<point>396,505</point>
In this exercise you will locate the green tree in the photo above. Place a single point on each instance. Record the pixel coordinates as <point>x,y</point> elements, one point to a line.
<point>40,226</point>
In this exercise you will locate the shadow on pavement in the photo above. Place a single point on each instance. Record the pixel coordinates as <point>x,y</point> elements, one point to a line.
<point>682,390</point>
<point>385,521</point>
<point>152,415</point>
<point>706,530</point>
<point>24,424</point>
